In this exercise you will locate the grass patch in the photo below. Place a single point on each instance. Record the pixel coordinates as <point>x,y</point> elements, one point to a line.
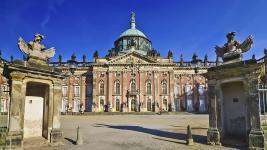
<point>264,128</point>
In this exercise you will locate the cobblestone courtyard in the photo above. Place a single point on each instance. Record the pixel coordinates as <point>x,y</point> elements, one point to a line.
<point>135,132</point>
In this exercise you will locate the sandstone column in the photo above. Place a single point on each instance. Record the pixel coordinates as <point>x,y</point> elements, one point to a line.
<point>56,133</point>
<point>123,94</point>
<point>156,92</point>
<point>109,88</point>
<point>95,90</point>
<point>171,92</point>
<point>83,91</point>
<point>256,136</point>
<point>15,126</point>
<point>213,135</point>
<point>70,95</point>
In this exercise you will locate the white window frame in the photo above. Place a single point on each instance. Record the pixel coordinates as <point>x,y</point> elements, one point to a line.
<point>201,92</point>
<point>150,92</point>
<point>77,94</point>
<point>117,82</point>
<point>64,108</point>
<point>3,105</point>
<point>164,82</point>
<point>176,90</point>
<point>3,91</point>
<point>188,92</point>
<point>64,94</point>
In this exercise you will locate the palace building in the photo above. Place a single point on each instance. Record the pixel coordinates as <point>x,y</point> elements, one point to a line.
<point>132,77</point>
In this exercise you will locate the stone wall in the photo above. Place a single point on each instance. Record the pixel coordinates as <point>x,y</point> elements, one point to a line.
<point>3,120</point>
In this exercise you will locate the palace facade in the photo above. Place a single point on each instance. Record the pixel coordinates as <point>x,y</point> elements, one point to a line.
<point>131,77</point>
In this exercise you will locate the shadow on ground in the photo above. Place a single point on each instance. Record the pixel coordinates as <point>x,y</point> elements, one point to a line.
<point>70,140</point>
<point>166,134</point>
<point>171,136</point>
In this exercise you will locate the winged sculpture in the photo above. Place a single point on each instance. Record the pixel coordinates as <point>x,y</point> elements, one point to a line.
<point>35,49</point>
<point>233,47</point>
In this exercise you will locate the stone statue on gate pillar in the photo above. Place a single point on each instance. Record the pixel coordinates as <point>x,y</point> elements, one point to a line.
<point>36,52</point>
<point>232,50</point>
<point>25,77</point>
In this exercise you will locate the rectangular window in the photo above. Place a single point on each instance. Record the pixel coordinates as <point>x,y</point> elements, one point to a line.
<point>64,105</point>
<point>77,91</point>
<point>64,91</point>
<point>3,89</point>
<point>124,44</point>
<point>3,105</point>
<point>176,91</point>
<point>188,90</point>
<point>201,90</point>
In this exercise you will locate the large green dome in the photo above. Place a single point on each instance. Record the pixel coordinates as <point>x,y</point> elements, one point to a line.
<point>133,36</point>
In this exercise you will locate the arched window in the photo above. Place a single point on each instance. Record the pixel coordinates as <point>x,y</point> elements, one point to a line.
<point>133,86</point>
<point>148,87</point>
<point>164,87</point>
<point>101,87</point>
<point>117,87</point>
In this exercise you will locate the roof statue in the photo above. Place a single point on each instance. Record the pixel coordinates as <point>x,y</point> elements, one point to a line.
<point>233,50</point>
<point>133,31</point>
<point>132,40</point>
<point>35,50</point>
<point>132,20</point>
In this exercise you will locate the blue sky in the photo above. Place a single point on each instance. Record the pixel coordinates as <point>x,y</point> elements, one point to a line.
<point>183,26</point>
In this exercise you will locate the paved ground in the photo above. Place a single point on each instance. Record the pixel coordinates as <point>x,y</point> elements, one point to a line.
<point>135,132</point>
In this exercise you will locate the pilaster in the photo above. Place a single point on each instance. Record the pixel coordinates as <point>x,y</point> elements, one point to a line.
<point>213,135</point>
<point>70,95</point>
<point>256,135</point>
<point>109,88</point>
<point>156,91</point>
<point>15,131</point>
<point>83,91</point>
<point>171,92</point>
<point>56,132</point>
<point>95,90</point>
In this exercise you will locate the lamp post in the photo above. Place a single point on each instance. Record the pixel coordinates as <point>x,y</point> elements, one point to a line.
<point>72,64</point>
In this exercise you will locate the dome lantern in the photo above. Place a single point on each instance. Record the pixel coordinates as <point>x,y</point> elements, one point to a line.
<point>142,43</point>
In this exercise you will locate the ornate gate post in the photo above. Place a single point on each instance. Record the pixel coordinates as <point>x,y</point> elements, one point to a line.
<point>213,133</point>
<point>14,137</point>
<point>256,136</point>
<point>56,133</point>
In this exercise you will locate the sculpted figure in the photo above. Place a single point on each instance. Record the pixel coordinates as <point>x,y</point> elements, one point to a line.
<point>233,48</point>
<point>34,49</point>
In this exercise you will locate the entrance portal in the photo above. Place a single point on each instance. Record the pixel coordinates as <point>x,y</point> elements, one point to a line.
<point>234,110</point>
<point>133,105</point>
<point>33,116</point>
<point>36,110</point>
<point>35,97</point>
<point>117,105</point>
<point>165,105</point>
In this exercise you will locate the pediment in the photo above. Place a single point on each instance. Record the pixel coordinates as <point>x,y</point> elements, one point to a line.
<point>130,58</point>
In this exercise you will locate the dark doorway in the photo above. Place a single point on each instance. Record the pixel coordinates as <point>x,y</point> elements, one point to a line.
<point>234,110</point>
